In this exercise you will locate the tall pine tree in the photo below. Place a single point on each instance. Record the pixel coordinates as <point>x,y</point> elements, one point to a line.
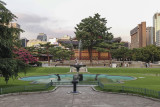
<point>91,31</point>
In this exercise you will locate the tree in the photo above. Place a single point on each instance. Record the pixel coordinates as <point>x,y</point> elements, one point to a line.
<point>122,53</point>
<point>45,49</point>
<point>24,55</point>
<point>137,54</point>
<point>68,45</point>
<point>147,54</point>
<point>8,65</point>
<point>91,31</point>
<point>59,53</point>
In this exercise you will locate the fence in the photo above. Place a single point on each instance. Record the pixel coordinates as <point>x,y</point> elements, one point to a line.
<point>24,88</point>
<point>125,89</point>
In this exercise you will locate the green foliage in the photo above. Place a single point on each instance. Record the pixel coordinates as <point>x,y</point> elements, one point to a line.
<point>59,53</point>
<point>91,31</point>
<point>150,53</point>
<point>32,50</point>
<point>122,53</point>
<point>147,54</point>
<point>39,64</point>
<point>108,46</point>
<point>9,67</point>
<point>66,45</point>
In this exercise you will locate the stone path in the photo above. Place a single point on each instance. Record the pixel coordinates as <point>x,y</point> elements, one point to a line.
<point>87,98</point>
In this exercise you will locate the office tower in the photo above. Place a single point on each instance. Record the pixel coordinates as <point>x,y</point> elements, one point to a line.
<point>42,37</point>
<point>24,42</point>
<point>149,35</point>
<point>138,36</point>
<point>158,38</point>
<point>156,28</point>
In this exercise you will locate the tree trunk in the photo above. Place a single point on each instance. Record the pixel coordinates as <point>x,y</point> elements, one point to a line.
<point>48,58</point>
<point>110,58</point>
<point>90,54</point>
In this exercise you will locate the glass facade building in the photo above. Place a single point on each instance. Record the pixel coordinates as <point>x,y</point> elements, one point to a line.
<point>42,37</point>
<point>156,27</point>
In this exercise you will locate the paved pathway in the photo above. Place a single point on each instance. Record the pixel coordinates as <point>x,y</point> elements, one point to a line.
<point>87,98</point>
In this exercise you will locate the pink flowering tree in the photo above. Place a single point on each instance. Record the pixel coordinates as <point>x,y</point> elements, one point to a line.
<point>24,55</point>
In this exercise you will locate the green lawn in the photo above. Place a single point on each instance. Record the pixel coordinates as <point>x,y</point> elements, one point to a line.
<point>34,71</point>
<point>146,77</point>
<point>150,80</point>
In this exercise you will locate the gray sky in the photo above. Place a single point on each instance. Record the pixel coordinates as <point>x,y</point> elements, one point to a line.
<point>59,17</point>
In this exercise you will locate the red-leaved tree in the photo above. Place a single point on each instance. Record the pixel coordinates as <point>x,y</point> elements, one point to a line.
<point>24,55</point>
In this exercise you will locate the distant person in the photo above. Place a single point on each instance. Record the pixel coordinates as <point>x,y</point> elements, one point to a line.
<point>146,65</point>
<point>121,64</point>
<point>125,65</point>
<point>55,64</point>
<point>76,60</point>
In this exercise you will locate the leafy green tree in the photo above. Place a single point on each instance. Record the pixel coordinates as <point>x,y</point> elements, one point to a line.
<point>45,49</point>
<point>91,31</point>
<point>122,53</point>
<point>69,46</point>
<point>59,53</point>
<point>8,65</point>
<point>53,51</point>
<point>146,54</point>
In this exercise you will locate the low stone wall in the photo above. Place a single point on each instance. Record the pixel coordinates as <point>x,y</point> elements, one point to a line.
<point>105,63</point>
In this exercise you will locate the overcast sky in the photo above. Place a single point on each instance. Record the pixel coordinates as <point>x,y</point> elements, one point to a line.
<point>59,17</point>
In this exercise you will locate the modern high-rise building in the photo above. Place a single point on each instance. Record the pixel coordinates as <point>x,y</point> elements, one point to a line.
<point>158,38</point>
<point>149,35</point>
<point>42,37</point>
<point>156,26</point>
<point>24,42</point>
<point>138,36</point>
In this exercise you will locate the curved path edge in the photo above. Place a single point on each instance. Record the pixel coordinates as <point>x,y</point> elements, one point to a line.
<point>25,93</point>
<point>130,94</point>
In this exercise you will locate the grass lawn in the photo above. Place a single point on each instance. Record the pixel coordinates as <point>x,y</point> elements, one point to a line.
<point>146,77</point>
<point>34,71</point>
